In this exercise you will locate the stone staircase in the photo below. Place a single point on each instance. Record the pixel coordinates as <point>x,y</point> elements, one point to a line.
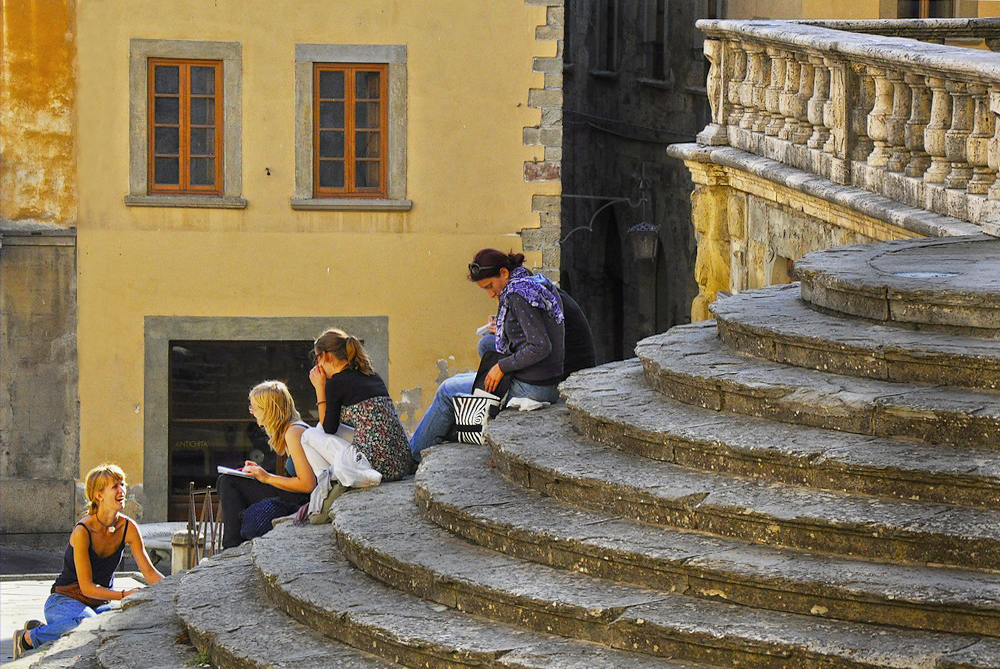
<point>809,483</point>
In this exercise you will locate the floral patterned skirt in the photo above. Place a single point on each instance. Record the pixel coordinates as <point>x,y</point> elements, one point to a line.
<point>380,436</point>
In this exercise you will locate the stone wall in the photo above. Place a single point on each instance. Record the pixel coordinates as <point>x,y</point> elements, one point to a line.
<point>39,407</point>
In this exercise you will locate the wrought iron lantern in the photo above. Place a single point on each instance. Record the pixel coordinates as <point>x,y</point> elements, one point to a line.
<point>645,240</point>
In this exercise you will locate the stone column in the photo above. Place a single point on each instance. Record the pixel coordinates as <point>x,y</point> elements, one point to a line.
<point>735,83</point>
<point>864,91</point>
<point>977,148</point>
<point>772,94</point>
<point>956,137</point>
<point>817,103</point>
<point>835,115</point>
<point>714,133</point>
<point>920,113</point>
<point>993,152</point>
<point>800,101</point>
<point>750,85</point>
<point>879,157</point>
<point>899,156</point>
<point>788,97</point>
<point>934,133</point>
<point>711,228</point>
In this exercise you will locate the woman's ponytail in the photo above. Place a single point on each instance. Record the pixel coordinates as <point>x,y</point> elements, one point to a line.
<point>514,260</point>
<point>357,357</point>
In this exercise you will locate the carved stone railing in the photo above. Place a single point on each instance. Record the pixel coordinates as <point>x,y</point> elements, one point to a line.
<point>913,121</point>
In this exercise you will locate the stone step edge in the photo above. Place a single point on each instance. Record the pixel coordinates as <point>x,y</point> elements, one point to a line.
<point>824,599</point>
<point>233,646</point>
<point>885,415</point>
<point>520,649</point>
<point>817,533</point>
<point>883,360</point>
<point>708,452</point>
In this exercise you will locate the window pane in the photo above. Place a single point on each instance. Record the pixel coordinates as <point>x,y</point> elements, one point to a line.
<point>202,80</point>
<point>203,111</point>
<point>367,114</point>
<point>367,85</point>
<point>202,142</point>
<point>368,144</point>
<point>331,173</point>
<point>167,171</point>
<point>331,144</point>
<point>167,79</point>
<point>331,114</point>
<point>167,110</point>
<point>167,140</point>
<point>331,85</point>
<point>203,171</point>
<point>368,173</point>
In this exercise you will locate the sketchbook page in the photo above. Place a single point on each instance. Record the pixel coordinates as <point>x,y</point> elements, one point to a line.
<point>233,472</point>
<point>479,392</point>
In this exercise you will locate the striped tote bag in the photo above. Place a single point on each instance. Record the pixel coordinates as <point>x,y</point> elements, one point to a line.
<point>472,412</point>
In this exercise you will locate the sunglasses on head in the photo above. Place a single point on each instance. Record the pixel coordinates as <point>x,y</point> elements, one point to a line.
<point>476,270</point>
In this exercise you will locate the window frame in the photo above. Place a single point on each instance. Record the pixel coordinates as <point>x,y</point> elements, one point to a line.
<point>231,55</point>
<point>184,186</point>
<point>395,57</point>
<point>350,187</point>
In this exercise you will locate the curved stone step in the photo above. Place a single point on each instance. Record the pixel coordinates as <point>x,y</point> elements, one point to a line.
<point>495,514</point>
<point>776,324</point>
<point>544,453</point>
<point>221,604</point>
<point>305,576</point>
<point>613,405</point>
<point>690,364</point>
<point>948,282</point>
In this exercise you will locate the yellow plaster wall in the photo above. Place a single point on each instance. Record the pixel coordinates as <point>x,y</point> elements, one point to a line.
<point>469,72</point>
<point>37,94</point>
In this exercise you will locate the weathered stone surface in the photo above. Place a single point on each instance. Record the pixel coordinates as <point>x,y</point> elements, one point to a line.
<point>581,472</point>
<point>147,634</point>
<point>227,617</point>
<point>690,364</point>
<point>305,576</point>
<point>945,282</point>
<point>773,323</point>
<point>492,513</point>
<point>613,405</point>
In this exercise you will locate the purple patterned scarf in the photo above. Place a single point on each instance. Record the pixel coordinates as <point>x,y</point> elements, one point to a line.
<point>537,291</point>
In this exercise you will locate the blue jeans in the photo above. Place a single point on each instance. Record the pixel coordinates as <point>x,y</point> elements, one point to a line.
<point>63,614</point>
<point>440,416</point>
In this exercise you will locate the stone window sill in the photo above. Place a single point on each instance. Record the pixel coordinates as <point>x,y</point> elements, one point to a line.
<point>606,75</point>
<point>663,84</point>
<point>189,201</point>
<point>351,204</point>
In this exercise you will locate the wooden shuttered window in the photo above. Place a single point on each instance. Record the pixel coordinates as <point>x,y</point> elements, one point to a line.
<point>185,126</point>
<point>350,130</point>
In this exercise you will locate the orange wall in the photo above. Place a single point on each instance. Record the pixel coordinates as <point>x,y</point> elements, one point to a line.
<point>37,111</point>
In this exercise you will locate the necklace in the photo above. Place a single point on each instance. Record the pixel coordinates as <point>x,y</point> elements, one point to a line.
<point>110,528</point>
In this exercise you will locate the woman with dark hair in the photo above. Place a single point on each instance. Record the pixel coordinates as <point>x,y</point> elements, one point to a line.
<point>530,338</point>
<point>348,390</point>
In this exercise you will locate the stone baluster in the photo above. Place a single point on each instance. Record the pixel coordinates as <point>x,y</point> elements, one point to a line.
<point>957,137</point>
<point>977,148</point>
<point>800,100</point>
<point>934,133</point>
<point>788,96</point>
<point>835,109</point>
<point>879,157</point>
<point>864,92</point>
<point>750,92</point>
<point>913,133</point>
<point>895,125</point>
<point>993,152</point>
<point>739,73</point>
<point>817,101</point>
<point>715,133</point>
<point>772,94</point>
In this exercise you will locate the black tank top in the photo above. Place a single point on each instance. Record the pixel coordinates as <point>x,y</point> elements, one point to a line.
<point>102,568</point>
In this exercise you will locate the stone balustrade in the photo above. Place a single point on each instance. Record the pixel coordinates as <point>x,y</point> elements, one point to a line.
<point>856,103</point>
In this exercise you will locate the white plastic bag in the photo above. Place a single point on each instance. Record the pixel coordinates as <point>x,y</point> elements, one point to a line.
<point>329,451</point>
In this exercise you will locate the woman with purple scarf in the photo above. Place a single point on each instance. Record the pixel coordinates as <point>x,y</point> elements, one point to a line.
<point>530,340</point>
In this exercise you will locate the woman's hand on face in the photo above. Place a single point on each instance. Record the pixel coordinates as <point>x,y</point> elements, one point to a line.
<point>253,469</point>
<point>317,377</point>
<point>492,379</point>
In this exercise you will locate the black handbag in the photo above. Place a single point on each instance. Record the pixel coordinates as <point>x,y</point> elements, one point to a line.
<point>472,412</point>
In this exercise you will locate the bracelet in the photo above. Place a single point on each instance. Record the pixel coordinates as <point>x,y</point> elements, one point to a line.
<point>320,402</point>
